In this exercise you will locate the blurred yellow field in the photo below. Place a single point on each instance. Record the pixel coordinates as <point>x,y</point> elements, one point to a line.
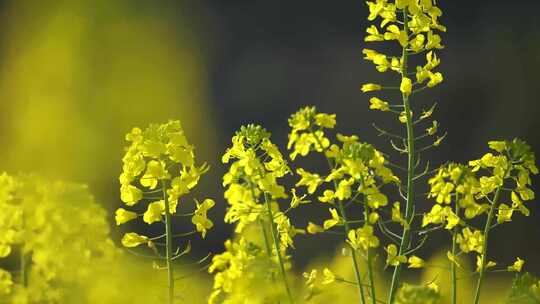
<point>120,184</point>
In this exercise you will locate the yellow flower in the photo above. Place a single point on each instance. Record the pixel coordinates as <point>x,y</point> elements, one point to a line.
<point>498,146</point>
<point>394,33</point>
<point>452,258</point>
<point>402,117</point>
<point>132,239</point>
<point>333,221</point>
<point>269,185</point>
<point>428,113</point>
<point>517,266</point>
<point>328,277</point>
<point>434,79</point>
<point>374,34</point>
<point>490,184</point>
<point>434,216</point>
<point>442,191</point>
<point>375,8</point>
<point>310,180</point>
<point>130,194</point>
<point>416,262</point>
<point>434,41</point>
<point>362,238</point>
<point>373,217</point>
<point>314,228</point>
<point>397,216</point>
<point>135,135</point>
<point>480,263</point>
<point>401,4</point>
<point>153,212</point>
<point>504,213</point>
<point>370,87</point>
<point>393,259</point>
<point>298,200</point>
<point>380,60</point>
<point>471,241</point>
<point>406,86</point>
<point>343,190</point>
<point>6,282</point>
<point>433,129</point>
<point>378,104</point>
<point>5,250</point>
<point>301,120</point>
<point>122,216</point>
<point>452,220</point>
<point>518,204</point>
<point>200,219</point>
<point>417,43</point>
<point>347,139</point>
<point>181,154</point>
<point>325,120</point>
<point>327,197</point>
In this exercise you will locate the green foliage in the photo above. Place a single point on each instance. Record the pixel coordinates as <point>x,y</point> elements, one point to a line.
<point>525,290</point>
<point>410,294</point>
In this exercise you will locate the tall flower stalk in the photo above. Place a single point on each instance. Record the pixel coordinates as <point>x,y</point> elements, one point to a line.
<point>277,248</point>
<point>506,170</point>
<point>356,173</point>
<point>412,24</point>
<point>159,168</point>
<point>253,193</point>
<point>476,190</point>
<point>453,265</point>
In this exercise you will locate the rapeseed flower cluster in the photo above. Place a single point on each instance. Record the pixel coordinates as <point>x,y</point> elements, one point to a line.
<point>495,186</point>
<point>414,25</point>
<point>56,232</point>
<point>357,175</point>
<point>159,169</point>
<point>159,166</point>
<point>253,193</point>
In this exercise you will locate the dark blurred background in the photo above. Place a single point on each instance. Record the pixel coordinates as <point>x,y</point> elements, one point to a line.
<point>75,76</point>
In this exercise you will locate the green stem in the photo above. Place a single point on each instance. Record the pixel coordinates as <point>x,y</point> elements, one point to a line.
<point>484,257</point>
<point>454,250</point>
<point>370,262</point>
<point>346,227</point>
<point>168,245</point>
<point>353,255</point>
<point>405,240</point>
<point>266,241</point>
<point>278,251</point>
<point>22,268</point>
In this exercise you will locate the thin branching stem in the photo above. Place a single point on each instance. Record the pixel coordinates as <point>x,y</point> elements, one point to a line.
<point>370,262</point>
<point>265,237</point>
<point>420,245</point>
<point>484,257</point>
<point>169,245</point>
<point>275,238</point>
<point>347,228</point>
<point>23,268</point>
<point>386,133</point>
<point>262,224</point>
<point>353,255</point>
<point>405,240</point>
<point>453,265</point>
